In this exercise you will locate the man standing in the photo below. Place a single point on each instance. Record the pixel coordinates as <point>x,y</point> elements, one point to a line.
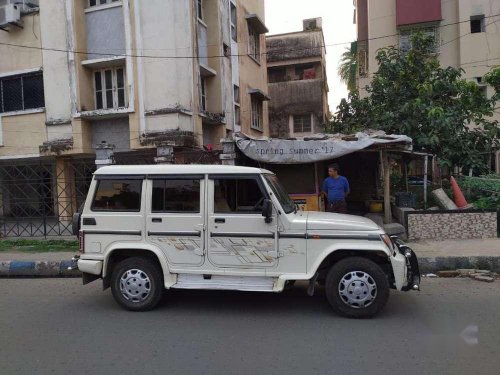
<point>335,189</point>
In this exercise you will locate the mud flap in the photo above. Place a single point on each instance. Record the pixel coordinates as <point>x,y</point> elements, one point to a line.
<point>87,278</point>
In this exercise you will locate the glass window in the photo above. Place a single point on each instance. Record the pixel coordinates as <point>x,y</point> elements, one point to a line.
<point>477,24</point>
<point>93,3</point>
<point>240,195</point>
<point>110,88</point>
<point>286,202</point>
<point>256,114</point>
<point>33,94</point>
<point>236,91</point>
<point>253,43</point>
<point>200,9</point>
<point>234,23</point>
<point>302,123</point>
<point>22,92</point>
<point>12,94</point>
<point>118,195</point>
<point>203,94</point>
<point>176,196</point>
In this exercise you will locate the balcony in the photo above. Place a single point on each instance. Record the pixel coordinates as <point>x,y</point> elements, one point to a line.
<point>410,12</point>
<point>306,95</point>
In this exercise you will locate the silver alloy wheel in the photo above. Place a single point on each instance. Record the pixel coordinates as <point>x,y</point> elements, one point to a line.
<point>357,289</point>
<point>135,285</point>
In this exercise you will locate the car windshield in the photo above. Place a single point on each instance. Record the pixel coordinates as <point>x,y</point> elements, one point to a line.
<point>286,202</point>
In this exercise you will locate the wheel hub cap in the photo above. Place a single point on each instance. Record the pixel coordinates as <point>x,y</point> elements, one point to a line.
<point>135,285</point>
<point>357,289</point>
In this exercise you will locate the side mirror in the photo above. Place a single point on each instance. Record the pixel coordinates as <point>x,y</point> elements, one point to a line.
<point>267,210</point>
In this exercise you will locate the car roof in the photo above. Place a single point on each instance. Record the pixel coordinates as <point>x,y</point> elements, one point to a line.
<point>176,169</point>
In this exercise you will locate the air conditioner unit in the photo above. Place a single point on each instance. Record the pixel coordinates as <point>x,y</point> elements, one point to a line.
<point>312,24</point>
<point>10,14</point>
<point>27,6</point>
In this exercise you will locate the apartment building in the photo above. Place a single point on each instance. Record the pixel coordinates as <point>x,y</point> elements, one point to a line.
<point>119,81</point>
<point>466,34</point>
<point>298,88</point>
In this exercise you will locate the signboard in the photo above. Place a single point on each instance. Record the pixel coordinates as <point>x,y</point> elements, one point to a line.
<point>300,151</point>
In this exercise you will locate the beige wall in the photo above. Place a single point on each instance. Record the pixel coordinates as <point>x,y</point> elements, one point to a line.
<point>15,58</point>
<point>458,48</point>
<point>253,75</point>
<point>22,134</point>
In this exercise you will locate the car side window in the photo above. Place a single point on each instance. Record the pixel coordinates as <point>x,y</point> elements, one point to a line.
<point>237,195</point>
<point>176,195</point>
<point>118,195</point>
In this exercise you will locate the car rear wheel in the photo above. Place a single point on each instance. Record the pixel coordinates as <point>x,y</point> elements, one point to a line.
<point>357,288</point>
<point>137,284</point>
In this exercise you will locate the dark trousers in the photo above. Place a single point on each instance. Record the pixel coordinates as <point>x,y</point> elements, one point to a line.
<point>339,207</point>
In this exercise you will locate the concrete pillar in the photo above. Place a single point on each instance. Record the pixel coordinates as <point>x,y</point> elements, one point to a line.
<point>65,191</point>
<point>497,162</point>
<point>228,156</point>
<point>165,154</point>
<point>386,166</point>
<point>104,154</point>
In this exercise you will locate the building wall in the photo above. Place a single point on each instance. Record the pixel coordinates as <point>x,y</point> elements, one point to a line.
<point>162,87</point>
<point>56,74</point>
<point>22,134</point>
<point>105,32</point>
<point>296,96</point>
<point>458,47</point>
<point>253,75</point>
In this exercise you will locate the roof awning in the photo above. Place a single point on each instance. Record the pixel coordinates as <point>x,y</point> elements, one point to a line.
<point>206,71</point>
<point>316,148</point>
<point>256,23</point>
<point>259,94</point>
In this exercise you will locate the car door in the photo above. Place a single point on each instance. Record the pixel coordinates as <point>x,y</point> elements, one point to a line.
<point>238,235</point>
<point>175,218</point>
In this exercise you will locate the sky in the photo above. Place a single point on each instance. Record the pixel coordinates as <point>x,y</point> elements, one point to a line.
<point>283,16</point>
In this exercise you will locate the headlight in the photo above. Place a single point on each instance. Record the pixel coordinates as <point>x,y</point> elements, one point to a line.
<point>387,240</point>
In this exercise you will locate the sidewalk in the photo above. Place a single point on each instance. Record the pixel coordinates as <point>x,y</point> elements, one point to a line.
<point>433,256</point>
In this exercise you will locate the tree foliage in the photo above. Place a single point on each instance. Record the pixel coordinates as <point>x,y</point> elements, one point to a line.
<point>347,68</point>
<point>444,114</point>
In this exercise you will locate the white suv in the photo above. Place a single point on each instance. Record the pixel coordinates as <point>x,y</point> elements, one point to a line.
<point>144,229</point>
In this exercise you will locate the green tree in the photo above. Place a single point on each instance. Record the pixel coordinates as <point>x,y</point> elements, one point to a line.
<point>347,68</point>
<point>443,113</point>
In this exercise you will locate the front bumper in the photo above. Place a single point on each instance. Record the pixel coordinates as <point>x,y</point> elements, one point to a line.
<point>412,268</point>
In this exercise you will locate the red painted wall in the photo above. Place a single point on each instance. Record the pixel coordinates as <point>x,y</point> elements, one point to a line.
<point>362,19</point>
<point>417,11</point>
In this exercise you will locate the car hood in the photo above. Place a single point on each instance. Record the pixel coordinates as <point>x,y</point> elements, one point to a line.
<point>331,221</point>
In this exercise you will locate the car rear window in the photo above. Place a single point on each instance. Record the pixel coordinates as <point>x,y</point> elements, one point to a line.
<point>118,195</point>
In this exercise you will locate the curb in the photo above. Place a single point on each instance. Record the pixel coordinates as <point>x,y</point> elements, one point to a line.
<point>14,268</point>
<point>433,265</point>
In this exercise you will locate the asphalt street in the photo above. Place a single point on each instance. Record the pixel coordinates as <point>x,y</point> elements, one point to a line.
<point>58,326</point>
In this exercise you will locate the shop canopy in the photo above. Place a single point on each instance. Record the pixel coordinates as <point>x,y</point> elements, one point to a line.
<point>317,147</point>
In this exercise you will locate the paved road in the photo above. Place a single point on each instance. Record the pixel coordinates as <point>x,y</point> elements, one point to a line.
<point>57,326</point>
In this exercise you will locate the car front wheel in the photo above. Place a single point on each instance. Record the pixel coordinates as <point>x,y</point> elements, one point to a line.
<point>357,288</point>
<point>137,284</point>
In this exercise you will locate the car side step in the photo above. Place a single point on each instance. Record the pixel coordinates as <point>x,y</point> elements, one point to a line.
<point>250,283</point>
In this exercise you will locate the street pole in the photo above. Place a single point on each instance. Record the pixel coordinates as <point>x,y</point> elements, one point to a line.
<point>426,161</point>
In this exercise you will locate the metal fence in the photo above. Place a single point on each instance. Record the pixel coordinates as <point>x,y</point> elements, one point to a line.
<point>38,197</point>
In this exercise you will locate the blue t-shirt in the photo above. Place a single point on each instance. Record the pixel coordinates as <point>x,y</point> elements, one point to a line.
<point>336,188</point>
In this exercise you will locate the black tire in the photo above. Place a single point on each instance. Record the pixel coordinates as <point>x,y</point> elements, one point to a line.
<point>127,269</point>
<point>377,287</point>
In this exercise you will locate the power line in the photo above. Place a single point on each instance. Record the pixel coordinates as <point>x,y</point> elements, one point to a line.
<point>229,55</point>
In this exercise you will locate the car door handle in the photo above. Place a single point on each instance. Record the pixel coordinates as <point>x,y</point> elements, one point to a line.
<point>220,220</point>
<point>156,220</point>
